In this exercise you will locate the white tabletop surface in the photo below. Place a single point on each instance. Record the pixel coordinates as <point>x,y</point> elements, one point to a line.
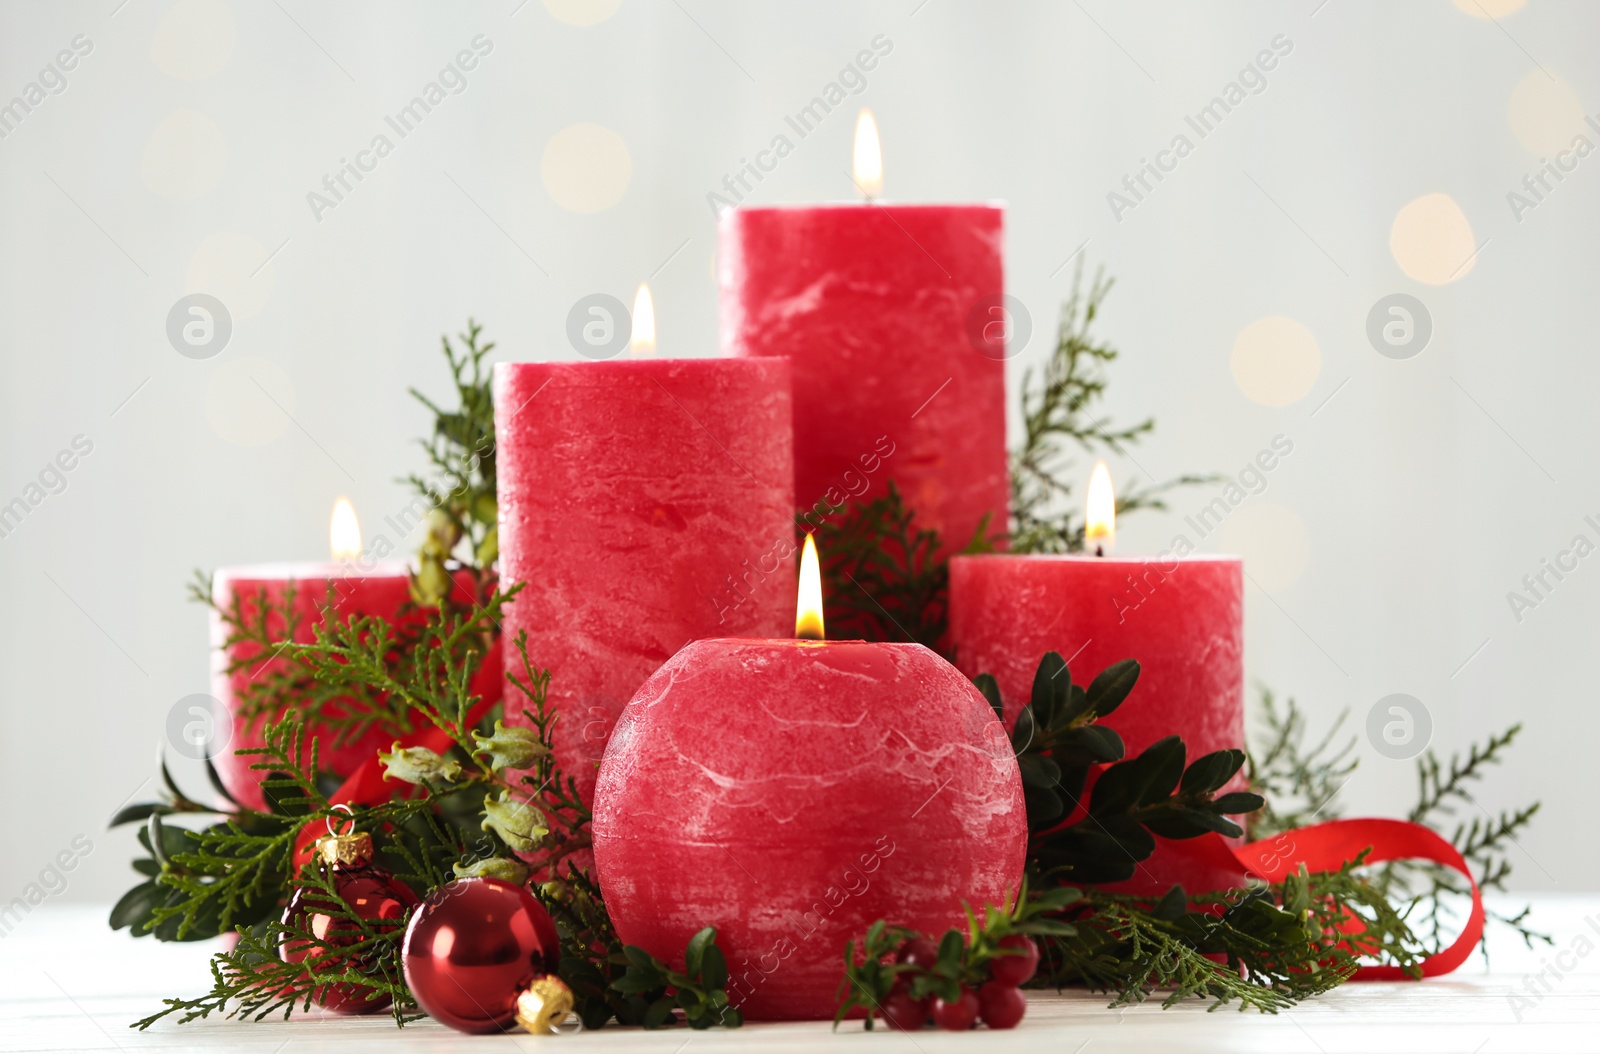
<point>69,984</point>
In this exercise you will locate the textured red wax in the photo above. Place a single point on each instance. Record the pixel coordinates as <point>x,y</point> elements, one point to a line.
<point>643,503</point>
<point>791,793</point>
<point>381,591</point>
<point>882,309</point>
<point>1181,618</point>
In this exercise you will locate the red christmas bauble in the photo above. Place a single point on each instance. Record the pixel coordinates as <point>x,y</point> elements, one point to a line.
<point>790,793</point>
<point>474,949</point>
<point>372,893</point>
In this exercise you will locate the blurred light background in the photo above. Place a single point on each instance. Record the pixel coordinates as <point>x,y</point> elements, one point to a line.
<point>174,148</point>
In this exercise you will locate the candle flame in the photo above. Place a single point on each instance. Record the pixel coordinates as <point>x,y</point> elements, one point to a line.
<point>867,162</point>
<point>808,612</point>
<point>1100,532</point>
<point>643,340</point>
<point>344,533</point>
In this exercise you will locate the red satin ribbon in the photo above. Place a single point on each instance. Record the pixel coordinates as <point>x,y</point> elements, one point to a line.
<point>1329,846</point>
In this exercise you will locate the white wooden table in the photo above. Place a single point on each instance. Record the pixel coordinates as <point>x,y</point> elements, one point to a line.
<point>69,984</point>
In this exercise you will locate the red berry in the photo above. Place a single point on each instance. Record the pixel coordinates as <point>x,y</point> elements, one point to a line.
<point>918,951</point>
<point>902,1012</point>
<point>1002,1005</point>
<point>1015,969</point>
<point>958,1015</point>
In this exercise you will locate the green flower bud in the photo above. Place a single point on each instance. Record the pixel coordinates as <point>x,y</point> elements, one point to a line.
<point>485,509</point>
<point>505,868</point>
<point>418,765</point>
<point>432,583</point>
<point>510,748</point>
<point>443,534</point>
<point>488,550</point>
<point>518,824</point>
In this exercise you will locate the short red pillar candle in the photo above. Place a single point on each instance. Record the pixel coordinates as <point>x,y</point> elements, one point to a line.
<point>643,503</point>
<point>308,592</point>
<point>1181,618</point>
<point>892,316</point>
<point>791,793</point>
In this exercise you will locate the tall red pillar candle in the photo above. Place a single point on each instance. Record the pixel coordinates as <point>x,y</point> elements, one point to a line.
<point>792,792</point>
<point>893,318</point>
<point>1182,618</point>
<point>642,505</point>
<point>307,593</point>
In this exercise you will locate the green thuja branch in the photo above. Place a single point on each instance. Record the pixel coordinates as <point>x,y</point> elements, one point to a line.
<point>461,494</point>
<point>885,578</point>
<point>1299,783</point>
<point>1058,419</point>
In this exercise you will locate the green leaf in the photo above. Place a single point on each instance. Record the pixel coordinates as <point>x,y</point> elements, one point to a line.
<point>1185,821</point>
<point>1051,686</point>
<point>1148,778</point>
<point>714,972</point>
<point>990,689</point>
<point>1238,802</point>
<point>138,813</point>
<point>1044,807</point>
<point>633,983</point>
<point>1088,745</point>
<point>1171,907</point>
<point>136,905</point>
<point>694,952</point>
<point>1211,771</point>
<point>1111,687</point>
<point>658,1014</point>
<point>1024,732</point>
<point>1038,771</point>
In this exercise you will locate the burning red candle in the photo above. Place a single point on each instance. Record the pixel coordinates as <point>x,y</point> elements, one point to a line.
<point>1180,615</point>
<point>304,593</point>
<point>643,503</point>
<point>792,792</point>
<point>894,320</point>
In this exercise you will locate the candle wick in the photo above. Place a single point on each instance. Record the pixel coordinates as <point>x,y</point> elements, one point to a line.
<point>1099,550</point>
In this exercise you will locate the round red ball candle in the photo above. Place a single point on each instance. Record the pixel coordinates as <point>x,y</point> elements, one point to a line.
<point>1181,618</point>
<point>642,502</point>
<point>309,590</point>
<point>876,305</point>
<point>792,792</point>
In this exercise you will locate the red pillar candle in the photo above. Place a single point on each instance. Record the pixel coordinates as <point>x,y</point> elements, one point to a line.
<point>892,317</point>
<point>791,793</point>
<point>643,503</point>
<point>1182,618</point>
<point>306,593</point>
<point>288,602</point>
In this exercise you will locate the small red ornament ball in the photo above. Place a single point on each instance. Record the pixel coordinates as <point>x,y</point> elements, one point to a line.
<point>372,893</point>
<point>473,948</point>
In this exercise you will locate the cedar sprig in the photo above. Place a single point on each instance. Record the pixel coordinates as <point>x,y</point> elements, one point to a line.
<point>1059,418</point>
<point>884,576</point>
<point>1277,944</point>
<point>1298,782</point>
<point>1484,840</point>
<point>258,632</point>
<point>461,493</point>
